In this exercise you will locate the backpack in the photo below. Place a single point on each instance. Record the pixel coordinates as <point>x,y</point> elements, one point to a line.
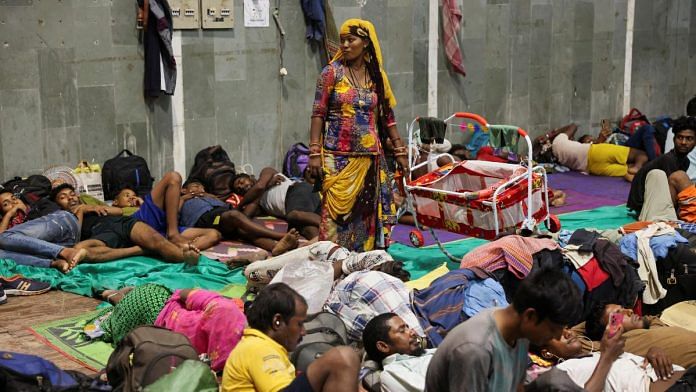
<point>126,170</point>
<point>324,331</point>
<point>213,167</point>
<point>146,354</point>
<point>27,373</point>
<point>632,121</point>
<point>30,189</point>
<point>296,160</point>
<point>662,126</point>
<point>687,382</point>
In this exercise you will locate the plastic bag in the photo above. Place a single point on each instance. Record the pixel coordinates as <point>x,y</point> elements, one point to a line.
<point>312,279</point>
<point>89,179</point>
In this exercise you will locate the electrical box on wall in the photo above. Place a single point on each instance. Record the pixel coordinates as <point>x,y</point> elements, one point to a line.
<point>217,14</point>
<point>186,14</point>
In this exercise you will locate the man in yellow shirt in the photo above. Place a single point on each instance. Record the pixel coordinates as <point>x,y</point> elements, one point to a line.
<point>260,361</point>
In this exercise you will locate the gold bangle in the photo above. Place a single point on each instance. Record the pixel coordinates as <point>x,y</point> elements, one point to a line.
<point>315,144</point>
<point>315,155</point>
<point>400,154</point>
<point>400,148</point>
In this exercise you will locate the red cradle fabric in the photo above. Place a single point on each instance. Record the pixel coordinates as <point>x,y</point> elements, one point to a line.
<point>471,210</point>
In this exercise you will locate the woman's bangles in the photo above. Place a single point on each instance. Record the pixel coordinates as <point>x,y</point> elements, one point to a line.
<point>399,151</point>
<point>314,149</point>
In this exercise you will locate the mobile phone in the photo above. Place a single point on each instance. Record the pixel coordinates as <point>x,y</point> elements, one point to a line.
<point>615,322</point>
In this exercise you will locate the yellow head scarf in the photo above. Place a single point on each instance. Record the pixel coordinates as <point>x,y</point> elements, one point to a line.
<point>369,29</point>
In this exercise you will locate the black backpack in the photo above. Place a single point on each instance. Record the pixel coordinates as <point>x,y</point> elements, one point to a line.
<point>30,189</point>
<point>213,167</point>
<point>324,332</point>
<point>126,170</point>
<point>146,354</point>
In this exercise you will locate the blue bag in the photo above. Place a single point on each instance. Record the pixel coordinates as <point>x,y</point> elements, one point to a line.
<point>25,372</point>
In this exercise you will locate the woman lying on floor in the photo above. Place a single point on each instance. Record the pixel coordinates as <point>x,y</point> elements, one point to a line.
<point>213,323</point>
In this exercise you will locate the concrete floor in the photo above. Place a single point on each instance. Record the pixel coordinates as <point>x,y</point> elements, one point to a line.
<point>19,313</point>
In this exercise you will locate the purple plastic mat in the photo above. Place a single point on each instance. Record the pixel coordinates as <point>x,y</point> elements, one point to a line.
<point>400,234</point>
<point>584,192</point>
<point>613,188</point>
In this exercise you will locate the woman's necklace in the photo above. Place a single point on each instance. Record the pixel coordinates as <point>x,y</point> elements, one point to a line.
<point>354,79</point>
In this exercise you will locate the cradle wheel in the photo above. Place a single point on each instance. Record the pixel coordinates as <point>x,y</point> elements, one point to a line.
<point>553,224</point>
<point>416,238</point>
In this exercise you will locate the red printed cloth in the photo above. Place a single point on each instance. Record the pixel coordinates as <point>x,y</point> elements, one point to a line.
<point>451,22</point>
<point>513,252</point>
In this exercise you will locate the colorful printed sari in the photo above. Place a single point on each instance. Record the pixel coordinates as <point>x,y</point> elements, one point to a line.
<point>357,204</point>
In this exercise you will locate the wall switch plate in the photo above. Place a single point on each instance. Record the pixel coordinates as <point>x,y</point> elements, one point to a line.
<point>186,14</point>
<point>217,14</point>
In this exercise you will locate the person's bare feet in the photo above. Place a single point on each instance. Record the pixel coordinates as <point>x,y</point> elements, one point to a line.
<point>190,254</point>
<point>115,296</point>
<point>289,242</point>
<point>559,198</point>
<point>73,256</point>
<point>61,265</point>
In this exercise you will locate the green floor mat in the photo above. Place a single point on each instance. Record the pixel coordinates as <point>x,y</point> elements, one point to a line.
<point>420,261</point>
<point>86,279</point>
<point>66,337</point>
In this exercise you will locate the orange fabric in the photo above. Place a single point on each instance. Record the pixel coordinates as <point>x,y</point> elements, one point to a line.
<point>635,226</point>
<point>687,204</point>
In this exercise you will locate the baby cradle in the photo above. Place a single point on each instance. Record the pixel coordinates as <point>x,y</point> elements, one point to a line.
<point>476,198</point>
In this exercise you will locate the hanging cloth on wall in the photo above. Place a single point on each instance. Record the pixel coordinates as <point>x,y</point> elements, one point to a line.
<point>314,19</point>
<point>451,22</point>
<point>160,66</point>
<point>332,40</point>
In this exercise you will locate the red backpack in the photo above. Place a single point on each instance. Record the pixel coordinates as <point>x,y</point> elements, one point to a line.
<point>632,121</point>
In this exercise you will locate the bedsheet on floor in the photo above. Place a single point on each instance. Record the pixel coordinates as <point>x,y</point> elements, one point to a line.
<point>235,252</point>
<point>238,252</point>
<point>87,279</point>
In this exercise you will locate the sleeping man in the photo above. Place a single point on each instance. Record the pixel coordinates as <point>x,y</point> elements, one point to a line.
<point>107,235</point>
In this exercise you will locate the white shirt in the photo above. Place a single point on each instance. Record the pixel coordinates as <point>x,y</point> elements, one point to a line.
<point>273,200</point>
<point>626,374</point>
<point>405,372</point>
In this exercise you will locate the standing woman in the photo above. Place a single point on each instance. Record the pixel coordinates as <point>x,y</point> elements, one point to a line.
<point>352,118</point>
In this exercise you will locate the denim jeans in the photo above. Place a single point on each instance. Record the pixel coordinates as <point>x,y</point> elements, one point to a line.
<point>39,241</point>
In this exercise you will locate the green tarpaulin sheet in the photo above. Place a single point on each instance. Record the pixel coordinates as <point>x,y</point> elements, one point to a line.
<point>85,279</point>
